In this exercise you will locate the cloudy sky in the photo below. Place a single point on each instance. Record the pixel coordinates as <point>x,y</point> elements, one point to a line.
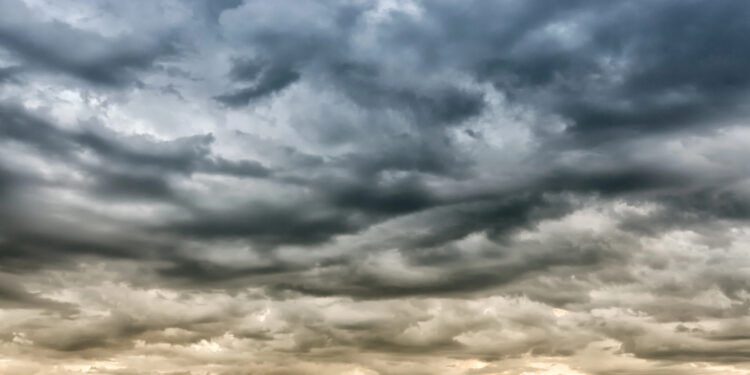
<point>374,187</point>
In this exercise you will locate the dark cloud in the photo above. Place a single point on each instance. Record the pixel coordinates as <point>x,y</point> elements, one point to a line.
<point>269,224</point>
<point>185,155</point>
<point>14,296</point>
<point>680,67</point>
<point>364,284</point>
<point>424,106</point>
<point>429,187</point>
<point>403,196</point>
<point>10,74</point>
<point>273,79</point>
<point>47,45</point>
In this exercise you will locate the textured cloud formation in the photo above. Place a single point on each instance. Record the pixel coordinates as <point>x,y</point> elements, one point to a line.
<point>374,187</point>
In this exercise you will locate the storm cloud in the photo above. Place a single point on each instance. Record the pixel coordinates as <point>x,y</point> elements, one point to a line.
<point>374,187</point>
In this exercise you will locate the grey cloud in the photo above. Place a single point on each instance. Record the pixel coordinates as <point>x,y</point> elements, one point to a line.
<point>184,155</point>
<point>212,9</point>
<point>125,169</point>
<point>128,186</point>
<point>426,106</point>
<point>14,296</point>
<point>273,79</point>
<point>660,89</point>
<point>48,45</point>
<point>496,269</point>
<point>429,187</point>
<point>607,78</point>
<point>10,74</point>
<point>401,197</point>
<point>268,224</point>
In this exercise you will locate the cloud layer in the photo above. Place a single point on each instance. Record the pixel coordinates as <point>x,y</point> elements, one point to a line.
<point>374,187</point>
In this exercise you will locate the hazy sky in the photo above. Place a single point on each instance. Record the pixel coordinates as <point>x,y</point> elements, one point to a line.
<point>392,187</point>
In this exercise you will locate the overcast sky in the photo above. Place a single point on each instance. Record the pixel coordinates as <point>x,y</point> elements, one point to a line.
<point>374,187</point>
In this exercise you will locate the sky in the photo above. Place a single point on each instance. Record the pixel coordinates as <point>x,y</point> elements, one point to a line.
<point>374,187</point>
